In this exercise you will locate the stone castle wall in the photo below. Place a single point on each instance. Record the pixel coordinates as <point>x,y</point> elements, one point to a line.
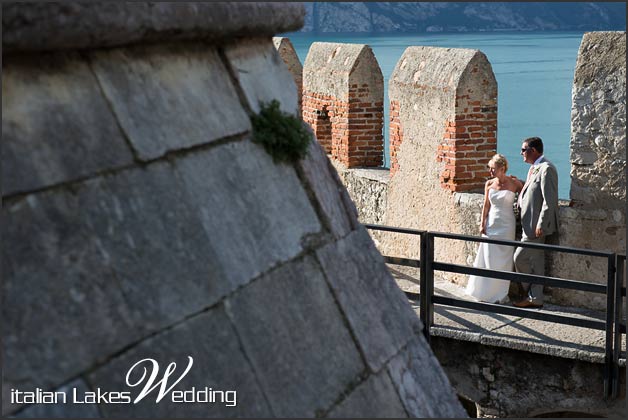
<point>343,98</point>
<point>598,123</point>
<point>145,223</point>
<point>289,56</point>
<point>443,101</point>
<point>443,118</point>
<point>596,218</point>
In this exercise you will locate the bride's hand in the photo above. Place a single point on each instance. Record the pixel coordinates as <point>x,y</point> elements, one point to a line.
<point>482,229</point>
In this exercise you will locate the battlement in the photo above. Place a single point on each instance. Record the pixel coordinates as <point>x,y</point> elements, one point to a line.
<point>343,99</point>
<point>443,131</point>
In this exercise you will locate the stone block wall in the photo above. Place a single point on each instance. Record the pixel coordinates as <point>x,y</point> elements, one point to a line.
<point>395,136</point>
<point>470,139</point>
<point>413,191</point>
<point>443,123</point>
<point>343,96</point>
<point>464,93</point>
<point>597,216</point>
<point>598,122</point>
<point>291,59</point>
<point>176,236</point>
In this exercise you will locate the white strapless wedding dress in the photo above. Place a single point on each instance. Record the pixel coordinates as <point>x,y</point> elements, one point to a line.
<point>500,225</point>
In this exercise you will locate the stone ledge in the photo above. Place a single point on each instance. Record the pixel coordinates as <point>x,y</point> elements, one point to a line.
<point>516,333</point>
<point>381,175</point>
<point>55,26</point>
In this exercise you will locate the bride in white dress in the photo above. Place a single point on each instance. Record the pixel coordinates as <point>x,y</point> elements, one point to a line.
<point>498,222</point>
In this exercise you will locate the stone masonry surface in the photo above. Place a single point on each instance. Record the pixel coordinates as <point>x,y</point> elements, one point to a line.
<point>595,218</point>
<point>443,119</point>
<point>76,25</point>
<point>598,122</point>
<point>343,102</point>
<point>291,59</point>
<point>176,236</point>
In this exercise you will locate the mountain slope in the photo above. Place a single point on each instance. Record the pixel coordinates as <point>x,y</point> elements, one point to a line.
<point>373,17</point>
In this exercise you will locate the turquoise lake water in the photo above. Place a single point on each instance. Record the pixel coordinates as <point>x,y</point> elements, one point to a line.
<point>534,73</point>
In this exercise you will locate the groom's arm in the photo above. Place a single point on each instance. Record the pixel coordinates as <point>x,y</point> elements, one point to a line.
<point>549,188</point>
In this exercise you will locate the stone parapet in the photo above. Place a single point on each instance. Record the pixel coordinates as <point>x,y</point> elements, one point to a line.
<point>457,87</point>
<point>343,95</point>
<point>442,134</point>
<point>598,122</point>
<point>368,189</point>
<point>291,59</point>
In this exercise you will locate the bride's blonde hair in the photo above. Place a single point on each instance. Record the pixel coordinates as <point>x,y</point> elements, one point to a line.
<point>500,160</point>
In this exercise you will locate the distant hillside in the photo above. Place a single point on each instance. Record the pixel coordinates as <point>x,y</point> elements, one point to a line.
<point>372,17</point>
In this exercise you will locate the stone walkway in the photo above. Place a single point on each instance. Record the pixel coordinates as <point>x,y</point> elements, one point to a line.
<point>510,331</point>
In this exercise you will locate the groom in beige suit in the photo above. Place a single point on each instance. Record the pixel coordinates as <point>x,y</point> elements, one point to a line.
<point>538,201</point>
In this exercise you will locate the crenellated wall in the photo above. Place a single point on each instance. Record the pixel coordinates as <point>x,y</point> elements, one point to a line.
<point>343,98</point>
<point>598,123</point>
<point>596,218</point>
<point>443,119</point>
<point>289,56</point>
<point>443,123</point>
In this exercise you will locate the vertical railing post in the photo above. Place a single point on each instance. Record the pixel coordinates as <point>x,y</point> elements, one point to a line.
<point>619,283</point>
<point>427,282</point>
<point>430,279</point>
<point>424,309</point>
<point>610,312</point>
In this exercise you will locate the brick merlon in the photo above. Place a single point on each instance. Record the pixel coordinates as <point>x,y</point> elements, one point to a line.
<point>335,69</point>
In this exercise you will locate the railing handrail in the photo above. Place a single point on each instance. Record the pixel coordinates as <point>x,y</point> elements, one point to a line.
<point>522,277</point>
<point>613,290</point>
<point>393,229</point>
<point>457,236</point>
<point>547,247</point>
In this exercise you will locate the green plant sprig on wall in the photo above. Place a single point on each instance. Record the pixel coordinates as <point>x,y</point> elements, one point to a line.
<point>284,136</point>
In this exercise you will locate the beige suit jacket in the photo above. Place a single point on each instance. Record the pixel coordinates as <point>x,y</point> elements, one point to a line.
<point>539,201</point>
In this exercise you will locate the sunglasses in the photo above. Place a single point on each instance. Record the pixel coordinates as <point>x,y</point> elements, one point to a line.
<point>525,149</point>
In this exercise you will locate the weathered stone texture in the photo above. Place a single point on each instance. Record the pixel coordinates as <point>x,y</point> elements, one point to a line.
<point>92,266</point>
<point>296,339</point>
<point>360,283</point>
<point>597,219</point>
<point>176,235</point>
<point>56,126</point>
<point>493,378</point>
<point>420,397</point>
<point>343,102</point>
<point>598,122</point>
<point>436,91</point>
<point>117,243</point>
<point>262,75</point>
<point>331,68</point>
<point>598,229</point>
<point>219,362</point>
<point>51,26</point>
<point>338,211</point>
<point>375,395</point>
<point>252,192</point>
<point>159,95</point>
<point>291,59</point>
<point>457,87</point>
<point>369,189</point>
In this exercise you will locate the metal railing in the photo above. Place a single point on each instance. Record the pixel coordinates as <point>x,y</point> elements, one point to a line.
<point>614,324</point>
